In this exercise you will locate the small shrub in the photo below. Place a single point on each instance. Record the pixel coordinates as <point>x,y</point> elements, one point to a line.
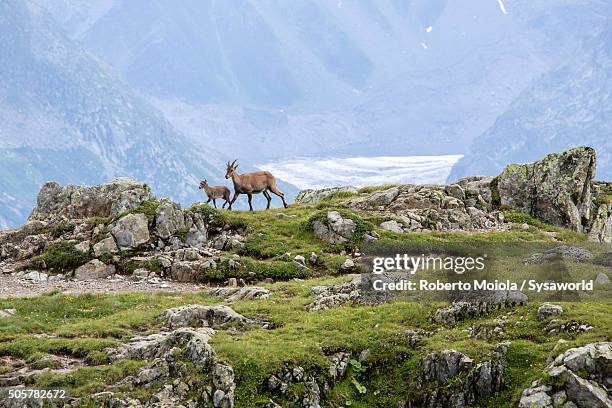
<point>148,208</point>
<point>495,197</point>
<point>521,218</point>
<point>58,230</point>
<point>97,358</point>
<point>62,256</point>
<point>181,234</point>
<point>213,216</point>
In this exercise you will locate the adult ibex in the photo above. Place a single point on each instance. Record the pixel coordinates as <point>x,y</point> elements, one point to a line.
<point>253,183</point>
<point>214,192</point>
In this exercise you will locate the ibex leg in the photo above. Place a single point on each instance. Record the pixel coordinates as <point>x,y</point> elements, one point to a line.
<point>250,198</point>
<point>267,195</point>
<point>233,199</point>
<point>276,191</point>
<point>215,202</point>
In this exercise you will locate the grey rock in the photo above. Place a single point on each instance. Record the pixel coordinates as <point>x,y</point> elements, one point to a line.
<point>84,246</point>
<point>168,219</point>
<point>556,189</point>
<point>106,246</point>
<point>7,313</point>
<point>141,273</point>
<point>601,225</point>
<point>314,196</point>
<point>79,202</point>
<point>94,269</point>
<point>566,252</point>
<point>223,377</point>
<point>131,231</point>
<point>581,376</point>
<point>377,199</point>
<point>536,400</point>
<point>549,310</point>
<point>602,279</point>
<point>159,345</point>
<point>347,266</point>
<point>244,293</point>
<point>335,229</point>
<point>392,226</point>
<point>36,276</point>
<point>339,365</point>
<point>205,316</point>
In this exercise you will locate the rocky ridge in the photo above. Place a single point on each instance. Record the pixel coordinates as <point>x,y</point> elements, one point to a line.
<point>579,377</point>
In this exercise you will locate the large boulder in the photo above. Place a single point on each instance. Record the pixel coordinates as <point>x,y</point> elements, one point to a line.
<point>94,269</point>
<point>579,377</point>
<point>168,219</point>
<point>556,189</point>
<point>314,196</point>
<point>78,202</point>
<point>131,231</point>
<point>204,316</point>
<point>106,246</point>
<point>335,228</point>
<point>601,225</point>
<point>465,381</point>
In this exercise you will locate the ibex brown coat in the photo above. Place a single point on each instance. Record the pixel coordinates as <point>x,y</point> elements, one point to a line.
<point>253,183</point>
<point>214,192</point>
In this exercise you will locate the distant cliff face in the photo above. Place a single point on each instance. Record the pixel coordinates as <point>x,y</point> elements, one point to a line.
<point>566,107</point>
<point>314,77</point>
<point>65,118</point>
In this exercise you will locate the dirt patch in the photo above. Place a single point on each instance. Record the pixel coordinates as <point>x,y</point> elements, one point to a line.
<point>12,287</point>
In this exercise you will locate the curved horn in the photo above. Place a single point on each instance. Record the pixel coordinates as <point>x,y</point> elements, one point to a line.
<point>234,162</point>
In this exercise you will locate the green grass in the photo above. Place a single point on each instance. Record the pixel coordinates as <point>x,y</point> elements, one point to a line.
<point>58,230</point>
<point>148,208</point>
<point>372,189</point>
<point>83,326</point>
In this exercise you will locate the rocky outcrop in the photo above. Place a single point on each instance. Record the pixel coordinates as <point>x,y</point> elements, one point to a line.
<point>206,316</point>
<point>334,228</point>
<point>431,207</point>
<point>120,224</point>
<point>131,231</point>
<point>79,202</point>
<point>162,348</point>
<point>331,296</point>
<point>478,304</point>
<point>572,253</point>
<point>556,189</point>
<point>458,381</point>
<point>314,196</point>
<point>233,294</point>
<point>580,377</point>
<point>314,387</point>
<point>601,225</point>
<point>548,310</point>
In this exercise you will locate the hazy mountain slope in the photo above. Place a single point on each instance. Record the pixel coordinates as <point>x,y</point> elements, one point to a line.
<point>566,107</point>
<point>263,79</point>
<point>65,118</point>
